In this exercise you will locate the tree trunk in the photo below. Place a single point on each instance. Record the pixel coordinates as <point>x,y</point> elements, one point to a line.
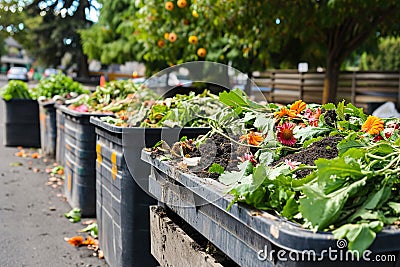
<point>83,67</point>
<point>331,81</point>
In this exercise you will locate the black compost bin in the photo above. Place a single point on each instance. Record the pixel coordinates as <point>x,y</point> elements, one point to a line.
<point>48,128</point>
<point>21,123</point>
<point>122,204</point>
<point>252,237</point>
<point>60,140</point>
<point>80,161</point>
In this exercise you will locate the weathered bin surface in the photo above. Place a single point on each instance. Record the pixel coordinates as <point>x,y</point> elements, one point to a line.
<point>168,241</point>
<point>80,161</point>
<point>21,123</point>
<point>48,128</point>
<point>122,204</point>
<point>60,140</point>
<point>252,237</point>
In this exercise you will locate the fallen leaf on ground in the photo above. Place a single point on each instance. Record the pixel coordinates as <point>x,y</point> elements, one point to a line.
<point>16,164</point>
<point>89,242</point>
<point>75,241</point>
<point>101,254</point>
<point>73,215</point>
<point>35,155</point>
<point>87,222</point>
<point>20,153</point>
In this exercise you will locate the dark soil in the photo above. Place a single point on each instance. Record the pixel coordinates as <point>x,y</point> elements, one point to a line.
<point>325,148</point>
<point>220,150</point>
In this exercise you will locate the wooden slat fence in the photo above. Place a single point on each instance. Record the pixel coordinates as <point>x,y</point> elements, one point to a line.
<point>360,88</point>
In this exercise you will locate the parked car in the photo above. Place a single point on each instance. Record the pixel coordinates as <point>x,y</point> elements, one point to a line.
<point>48,72</point>
<point>17,73</point>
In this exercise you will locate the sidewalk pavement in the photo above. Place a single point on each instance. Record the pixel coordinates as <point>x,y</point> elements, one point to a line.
<point>32,222</point>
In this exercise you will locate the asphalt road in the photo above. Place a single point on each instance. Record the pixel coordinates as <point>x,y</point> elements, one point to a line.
<point>32,222</point>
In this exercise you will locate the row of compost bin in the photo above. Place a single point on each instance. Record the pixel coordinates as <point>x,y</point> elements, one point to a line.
<point>97,178</point>
<point>107,175</point>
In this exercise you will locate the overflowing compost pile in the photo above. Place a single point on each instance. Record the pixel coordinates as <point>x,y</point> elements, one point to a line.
<point>326,167</point>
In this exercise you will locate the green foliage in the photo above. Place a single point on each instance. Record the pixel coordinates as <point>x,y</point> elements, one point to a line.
<point>15,90</point>
<point>216,168</point>
<point>387,57</point>
<point>58,84</point>
<point>53,26</point>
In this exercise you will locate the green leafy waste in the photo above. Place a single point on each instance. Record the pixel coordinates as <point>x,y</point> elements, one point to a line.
<point>92,229</point>
<point>16,90</point>
<point>353,195</point>
<point>73,215</point>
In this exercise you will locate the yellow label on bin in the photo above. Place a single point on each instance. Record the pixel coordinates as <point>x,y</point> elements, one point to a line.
<point>98,152</point>
<point>114,168</point>
<point>69,181</point>
<point>42,119</point>
<point>68,163</point>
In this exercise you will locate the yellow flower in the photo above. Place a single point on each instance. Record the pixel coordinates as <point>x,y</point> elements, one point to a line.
<point>373,125</point>
<point>252,138</point>
<point>285,111</point>
<point>298,106</point>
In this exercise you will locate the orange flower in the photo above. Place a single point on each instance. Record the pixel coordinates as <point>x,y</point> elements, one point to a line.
<point>373,125</point>
<point>76,241</point>
<point>285,111</point>
<point>298,106</point>
<point>252,138</point>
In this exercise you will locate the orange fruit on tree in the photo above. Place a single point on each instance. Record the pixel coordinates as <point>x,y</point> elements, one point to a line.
<point>160,43</point>
<point>169,6</point>
<point>193,39</point>
<point>172,37</point>
<point>201,52</point>
<point>182,3</point>
<point>195,14</point>
<point>166,35</point>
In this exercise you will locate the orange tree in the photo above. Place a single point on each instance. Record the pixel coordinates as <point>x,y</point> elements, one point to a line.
<point>221,31</point>
<point>249,34</point>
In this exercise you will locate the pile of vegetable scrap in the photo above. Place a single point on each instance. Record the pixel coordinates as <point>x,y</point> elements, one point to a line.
<point>16,90</point>
<point>352,184</point>
<point>91,241</point>
<point>181,110</point>
<point>114,97</point>
<point>58,87</point>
